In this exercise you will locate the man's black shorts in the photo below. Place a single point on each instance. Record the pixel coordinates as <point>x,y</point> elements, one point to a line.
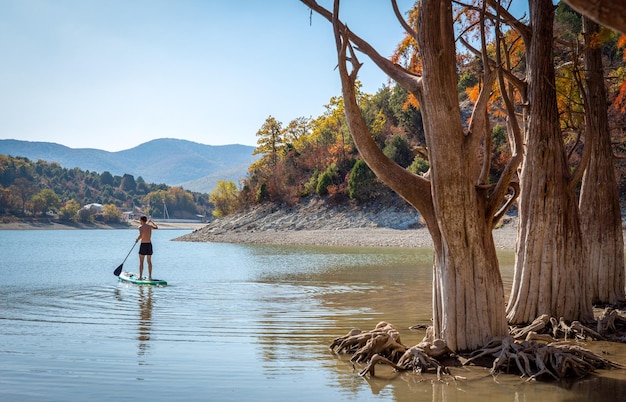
<point>145,249</point>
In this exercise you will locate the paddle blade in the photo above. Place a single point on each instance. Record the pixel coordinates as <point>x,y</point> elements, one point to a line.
<point>118,270</point>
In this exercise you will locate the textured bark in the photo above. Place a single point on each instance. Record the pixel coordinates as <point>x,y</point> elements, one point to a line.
<point>599,198</point>
<point>550,266</point>
<point>611,13</point>
<point>468,294</point>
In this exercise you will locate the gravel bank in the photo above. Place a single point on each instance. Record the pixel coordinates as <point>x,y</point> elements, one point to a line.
<point>314,222</point>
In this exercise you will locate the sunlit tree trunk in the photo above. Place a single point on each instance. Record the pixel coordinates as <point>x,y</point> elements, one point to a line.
<point>468,294</point>
<point>551,260</point>
<point>599,198</point>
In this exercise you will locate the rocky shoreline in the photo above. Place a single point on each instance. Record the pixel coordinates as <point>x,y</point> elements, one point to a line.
<point>314,222</point>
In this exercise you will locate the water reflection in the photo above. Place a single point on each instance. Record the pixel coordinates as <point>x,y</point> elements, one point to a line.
<point>241,322</point>
<point>145,321</point>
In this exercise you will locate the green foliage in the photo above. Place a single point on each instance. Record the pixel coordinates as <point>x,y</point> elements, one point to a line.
<point>399,151</point>
<point>326,179</point>
<point>419,166</point>
<point>466,80</point>
<point>128,183</point>
<point>569,19</point>
<point>316,155</point>
<point>106,178</point>
<point>111,213</point>
<point>499,137</point>
<point>310,187</point>
<point>69,211</point>
<point>361,182</point>
<point>44,200</point>
<point>224,198</point>
<point>270,141</point>
<point>262,194</point>
<point>34,188</point>
<point>86,215</point>
<point>408,117</point>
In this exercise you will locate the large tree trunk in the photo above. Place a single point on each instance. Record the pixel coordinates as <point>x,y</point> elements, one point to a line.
<point>550,266</point>
<point>468,294</point>
<point>599,199</point>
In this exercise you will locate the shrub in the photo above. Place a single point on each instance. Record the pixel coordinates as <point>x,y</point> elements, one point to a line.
<point>361,182</point>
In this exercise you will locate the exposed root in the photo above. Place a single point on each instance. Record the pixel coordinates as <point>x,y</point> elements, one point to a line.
<point>537,326</point>
<point>533,352</point>
<point>546,329</point>
<point>383,340</point>
<point>382,346</point>
<point>534,360</point>
<point>612,325</point>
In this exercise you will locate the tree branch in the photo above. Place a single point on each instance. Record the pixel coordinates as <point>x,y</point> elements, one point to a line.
<point>513,22</point>
<point>610,13</point>
<point>405,78</point>
<point>413,188</point>
<point>401,19</point>
<point>505,181</point>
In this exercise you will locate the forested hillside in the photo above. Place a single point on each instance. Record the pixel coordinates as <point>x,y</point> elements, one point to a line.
<point>34,189</point>
<point>193,166</point>
<point>318,155</point>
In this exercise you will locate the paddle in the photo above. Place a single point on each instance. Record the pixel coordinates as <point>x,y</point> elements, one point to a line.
<point>118,270</point>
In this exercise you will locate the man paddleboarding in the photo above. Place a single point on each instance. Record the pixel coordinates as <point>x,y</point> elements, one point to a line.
<point>145,248</point>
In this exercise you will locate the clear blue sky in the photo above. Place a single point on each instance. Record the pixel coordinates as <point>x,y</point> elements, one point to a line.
<point>112,74</point>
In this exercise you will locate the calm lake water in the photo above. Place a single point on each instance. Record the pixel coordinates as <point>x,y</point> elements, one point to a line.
<point>236,323</point>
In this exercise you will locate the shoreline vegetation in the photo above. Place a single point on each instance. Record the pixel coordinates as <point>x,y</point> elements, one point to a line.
<point>313,222</point>
<point>53,224</point>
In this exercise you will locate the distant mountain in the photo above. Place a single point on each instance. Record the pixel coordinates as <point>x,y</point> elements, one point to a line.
<point>194,166</point>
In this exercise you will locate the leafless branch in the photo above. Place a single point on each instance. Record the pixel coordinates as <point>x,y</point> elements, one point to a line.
<point>401,19</point>
<point>506,178</point>
<point>409,81</point>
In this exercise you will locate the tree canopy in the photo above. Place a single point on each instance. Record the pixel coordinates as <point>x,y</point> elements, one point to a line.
<point>30,188</point>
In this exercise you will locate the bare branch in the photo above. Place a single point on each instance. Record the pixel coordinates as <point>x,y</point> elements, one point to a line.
<point>593,67</point>
<point>481,105</point>
<point>506,178</point>
<point>519,84</point>
<point>513,22</point>
<point>403,77</point>
<point>401,19</point>
<point>413,188</point>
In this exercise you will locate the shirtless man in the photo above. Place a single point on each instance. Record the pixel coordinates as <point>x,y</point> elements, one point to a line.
<point>145,249</point>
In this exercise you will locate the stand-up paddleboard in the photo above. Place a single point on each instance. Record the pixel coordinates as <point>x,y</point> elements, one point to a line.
<point>134,278</point>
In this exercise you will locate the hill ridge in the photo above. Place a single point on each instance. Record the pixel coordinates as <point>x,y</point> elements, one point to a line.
<point>175,162</point>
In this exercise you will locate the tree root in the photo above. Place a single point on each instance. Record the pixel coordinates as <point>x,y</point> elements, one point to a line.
<point>383,340</point>
<point>548,329</point>
<point>382,346</point>
<point>612,325</point>
<point>531,351</point>
<point>534,360</point>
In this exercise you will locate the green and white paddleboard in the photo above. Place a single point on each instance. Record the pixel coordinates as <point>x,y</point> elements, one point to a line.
<point>134,278</point>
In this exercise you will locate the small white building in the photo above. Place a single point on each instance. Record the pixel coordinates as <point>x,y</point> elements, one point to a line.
<point>93,207</point>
